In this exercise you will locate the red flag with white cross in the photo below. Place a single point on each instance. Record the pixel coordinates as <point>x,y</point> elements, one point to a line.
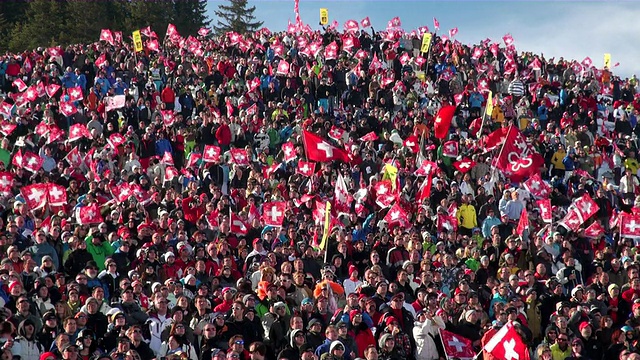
<point>273,213</point>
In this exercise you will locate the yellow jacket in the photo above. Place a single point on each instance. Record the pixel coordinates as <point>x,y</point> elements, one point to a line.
<point>557,158</point>
<point>557,354</point>
<point>466,215</point>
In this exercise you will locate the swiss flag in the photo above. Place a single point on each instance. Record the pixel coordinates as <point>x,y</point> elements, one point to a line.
<point>193,160</point>
<point>115,140</point>
<point>278,49</point>
<point>20,85</point>
<point>267,171</point>
<point>442,123</point>
<point>523,222</point>
<point>351,26</point>
<point>629,225</point>
<point>239,157</point>
<point>273,213</point>
<point>385,196</point>
<point>6,182</point>
<point>6,109</point>
<point>397,216</point>
<point>341,198</point>
<point>411,142</point>
<point>147,32</point>
<point>587,62</point>
<point>74,158</point>
<point>55,134</point>
<point>436,23</point>
<point>464,165</point>
<point>306,168</point>
<point>32,162</point>
<point>477,53</point>
<point>67,108</point>
<point>453,32</point>
<point>586,207</point>
<point>238,226</point>
<point>52,89</point>
<point>423,30</point>
<point>336,133</point>
<point>450,149</point>
<point>508,40</point>
<point>456,345</point>
<point>426,168</point>
<point>170,172</point>
<point>101,61</point>
<point>546,212</point>
<point>594,231</point>
<point>17,159</point>
<point>317,149</point>
<point>117,37</point>
<point>168,117</point>
<point>211,153</point>
<point>283,67</point>
<point>395,22</point>
<point>56,195</point>
<point>506,344</point>
<point>572,220</point>
<point>365,22</point>
<point>31,94</point>
<point>90,214</point>
<point>7,128</point>
<point>289,151</point>
<point>203,31</point>
<point>35,195</point>
<point>425,190</point>
<point>122,192</point>
<point>167,158</point>
<point>75,93</point>
<point>369,137</point>
<point>537,187</point>
<point>153,45</point>
<point>77,131</point>
<point>106,35</point>
<point>171,30</point>
<point>331,51</point>
<point>446,223</point>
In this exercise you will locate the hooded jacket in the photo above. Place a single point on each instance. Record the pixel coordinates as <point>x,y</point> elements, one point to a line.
<point>291,351</point>
<point>27,348</point>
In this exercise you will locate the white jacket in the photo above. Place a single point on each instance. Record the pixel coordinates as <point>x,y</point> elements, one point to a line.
<point>422,332</point>
<point>26,350</point>
<point>156,327</point>
<point>188,349</point>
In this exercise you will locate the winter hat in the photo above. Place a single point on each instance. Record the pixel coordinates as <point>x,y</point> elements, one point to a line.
<point>383,340</point>
<point>12,285</point>
<point>390,320</point>
<point>583,325</point>
<point>335,344</point>
<point>352,268</point>
<point>353,313</point>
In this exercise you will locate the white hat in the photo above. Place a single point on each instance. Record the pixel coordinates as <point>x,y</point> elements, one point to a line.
<point>168,255</point>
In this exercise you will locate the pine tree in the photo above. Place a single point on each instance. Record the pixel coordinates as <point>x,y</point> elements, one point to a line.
<point>236,17</point>
<point>191,16</point>
<point>43,26</point>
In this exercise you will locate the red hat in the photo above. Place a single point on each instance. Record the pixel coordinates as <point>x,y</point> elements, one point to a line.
<point>635,306</point>
<point>255,241</point>
<point>468,271</point>
<point>12,285</point>
<point>390,320</point>
<point>353,313</point>
<point>352,268</point>
<point>583,325</point>
<point>47,355</point>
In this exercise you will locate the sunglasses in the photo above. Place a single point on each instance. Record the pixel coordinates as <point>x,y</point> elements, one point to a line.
<point>239,342</point>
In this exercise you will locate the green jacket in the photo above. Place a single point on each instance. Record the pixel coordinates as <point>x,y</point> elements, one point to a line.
<point>99,252</point>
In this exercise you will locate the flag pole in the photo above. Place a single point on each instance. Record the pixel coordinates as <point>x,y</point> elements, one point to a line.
<point>477,355</point>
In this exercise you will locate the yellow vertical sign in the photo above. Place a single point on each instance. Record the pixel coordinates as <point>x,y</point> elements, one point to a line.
<point>489,108</point>
<point>324,16</point>
<point>426,43</point>
<point>607,60</point>
<point>137,41</point>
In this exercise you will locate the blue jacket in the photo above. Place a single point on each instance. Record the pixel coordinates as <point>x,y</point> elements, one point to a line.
<point>81,81</point>
<point>364,231</point>
<point>542,113</point>
<point>476,99</point>
<point>162,146</point>
<point>487,224</point>
<point>41,250</point>
<point>69,80</point>
<point>568,163</point>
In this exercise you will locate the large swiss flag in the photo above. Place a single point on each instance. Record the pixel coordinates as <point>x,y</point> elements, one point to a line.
<point>273,213</point>
<point>517,159</point>
<point>442,123</point>
<point>318,149</point>
<point>456,346</point>
<point>506,344</point>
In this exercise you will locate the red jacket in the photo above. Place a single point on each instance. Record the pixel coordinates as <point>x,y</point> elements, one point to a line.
<point>223,134</point>
<point>191,214</point>
<point>168,96</point>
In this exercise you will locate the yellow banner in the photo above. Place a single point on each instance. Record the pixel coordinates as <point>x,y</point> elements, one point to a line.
<point>324,16</point>
<point>327,225</point>
<point>488,110</point>
<point>426,43</point>
<point>137,41</point>
<point>607,61</point>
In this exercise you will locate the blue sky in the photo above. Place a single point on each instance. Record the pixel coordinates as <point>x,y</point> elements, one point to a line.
<point>573,29</point>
